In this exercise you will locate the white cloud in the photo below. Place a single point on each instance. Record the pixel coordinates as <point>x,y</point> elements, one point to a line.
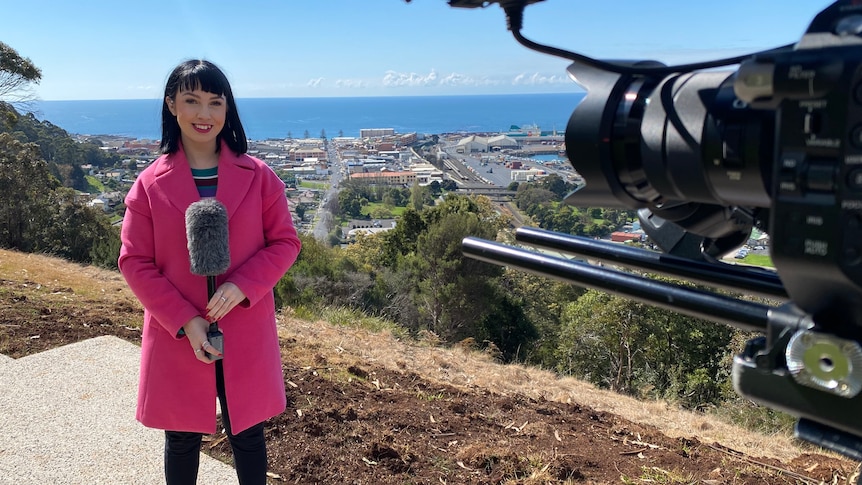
<point>349,83</point>
<point>456,79</point>
<point>412,79</point>
<point>314,83</point>
<point>537,79</point>
<point>398,79</point>
<point>142,90</point>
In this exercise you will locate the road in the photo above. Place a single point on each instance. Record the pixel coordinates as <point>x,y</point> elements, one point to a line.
<point>491,171</point>
<point>323,218</point>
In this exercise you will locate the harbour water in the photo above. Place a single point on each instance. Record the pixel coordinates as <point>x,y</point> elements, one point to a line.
<point>265,118</point>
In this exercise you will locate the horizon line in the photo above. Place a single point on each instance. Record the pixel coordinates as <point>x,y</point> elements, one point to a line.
<point>38,100</point>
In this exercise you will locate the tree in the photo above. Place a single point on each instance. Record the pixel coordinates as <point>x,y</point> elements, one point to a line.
<point>419,197</point>
<point>349,200</point>
<point>633,348</point>
<point>16,75</point>
<point>323,134</point>
<point>600,340</point>
<point>449,185</point>
<point>542,300</point>
<point>25,186</point>
<point>557,185</point>
<point>38,214</point>
<point>435,188</point>
<point>401,240</point>
<point>534,196</point>
<point>75,230</point>
<point>453,292</point>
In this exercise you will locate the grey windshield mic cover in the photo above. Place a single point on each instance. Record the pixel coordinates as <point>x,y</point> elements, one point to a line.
<point>207,234</point>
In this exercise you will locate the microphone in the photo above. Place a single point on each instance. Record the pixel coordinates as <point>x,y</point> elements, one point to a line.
<point>206,230</point>
<point>209,252</point>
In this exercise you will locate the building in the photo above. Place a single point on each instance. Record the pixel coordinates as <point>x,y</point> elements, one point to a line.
<point>385,178</point>
<point>472,144</point>
<point>408,139</point>
<point>375,132</point>
<point>360,226</point>
<point>526,175</point>
<point>300,154</point>
<point>625,236</point>
<point>426,173</point>
<point>500,142</point>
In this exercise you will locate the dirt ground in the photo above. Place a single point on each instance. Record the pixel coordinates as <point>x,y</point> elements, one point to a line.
<point>355,422</point>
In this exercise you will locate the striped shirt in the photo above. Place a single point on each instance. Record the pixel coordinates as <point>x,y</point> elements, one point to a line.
<point>206,181</point>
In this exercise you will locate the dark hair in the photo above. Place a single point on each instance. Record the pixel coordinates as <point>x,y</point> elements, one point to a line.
<point>191,75</point>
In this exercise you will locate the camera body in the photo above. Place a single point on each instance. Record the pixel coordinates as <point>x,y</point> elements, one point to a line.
<point>776,144</point>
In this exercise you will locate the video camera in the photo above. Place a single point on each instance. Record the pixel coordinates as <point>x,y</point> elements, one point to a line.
<point>705,156</point>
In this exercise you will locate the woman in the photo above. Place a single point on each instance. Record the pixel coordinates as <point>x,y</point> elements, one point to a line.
<point>204,155</point>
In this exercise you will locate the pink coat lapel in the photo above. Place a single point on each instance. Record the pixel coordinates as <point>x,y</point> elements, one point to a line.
<point>235,178</point>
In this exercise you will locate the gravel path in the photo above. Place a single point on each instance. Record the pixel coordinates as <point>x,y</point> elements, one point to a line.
<point>67,416</point>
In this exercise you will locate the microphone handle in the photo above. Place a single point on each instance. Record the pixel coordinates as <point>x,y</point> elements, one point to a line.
<point>211,289</point>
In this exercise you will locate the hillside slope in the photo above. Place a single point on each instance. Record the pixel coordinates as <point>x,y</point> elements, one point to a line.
<point>368,408</point>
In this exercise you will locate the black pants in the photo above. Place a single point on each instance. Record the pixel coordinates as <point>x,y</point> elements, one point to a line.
<point>182,449</point>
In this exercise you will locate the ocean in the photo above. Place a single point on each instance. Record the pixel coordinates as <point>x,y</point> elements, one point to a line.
<point>265,118</point>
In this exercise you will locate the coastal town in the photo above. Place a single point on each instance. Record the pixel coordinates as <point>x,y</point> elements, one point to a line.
<point>314,168</point>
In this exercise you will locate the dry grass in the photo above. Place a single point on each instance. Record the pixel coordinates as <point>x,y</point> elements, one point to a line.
<point>457,366</point>
<point>466,368</point>
<point>58,275</point>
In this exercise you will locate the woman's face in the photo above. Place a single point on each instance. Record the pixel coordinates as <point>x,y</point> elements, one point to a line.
<point>200,114</point>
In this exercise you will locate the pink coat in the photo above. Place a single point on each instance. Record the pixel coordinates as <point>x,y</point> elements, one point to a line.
<point>177,392</point>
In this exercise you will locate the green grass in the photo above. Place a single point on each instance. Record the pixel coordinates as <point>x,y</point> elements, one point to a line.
<point>349,317</point>
<point>371,207</point>
<point>758,260</point>
<point>94,185</point>
<point>313,185</point>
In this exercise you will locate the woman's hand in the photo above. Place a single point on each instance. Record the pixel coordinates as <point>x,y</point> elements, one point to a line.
<point>196,332</point>
<point>225,298</point>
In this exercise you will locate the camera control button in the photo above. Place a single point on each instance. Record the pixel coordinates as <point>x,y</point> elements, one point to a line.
<point>856,136</point>
<point>851,251</point>
<point>788,185</point>
<point>821,177</point>
<point>854,179</point>
<point>851,256</point>
<point>857,93</point>
<point>812,123</point>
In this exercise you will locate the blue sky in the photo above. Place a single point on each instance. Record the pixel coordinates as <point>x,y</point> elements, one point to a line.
<point>110,49</point>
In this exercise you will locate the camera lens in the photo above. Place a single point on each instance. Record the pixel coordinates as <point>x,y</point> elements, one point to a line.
<point>682,145</point>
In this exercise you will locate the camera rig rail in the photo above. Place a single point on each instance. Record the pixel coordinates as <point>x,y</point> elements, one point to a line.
<point>792,368</point>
